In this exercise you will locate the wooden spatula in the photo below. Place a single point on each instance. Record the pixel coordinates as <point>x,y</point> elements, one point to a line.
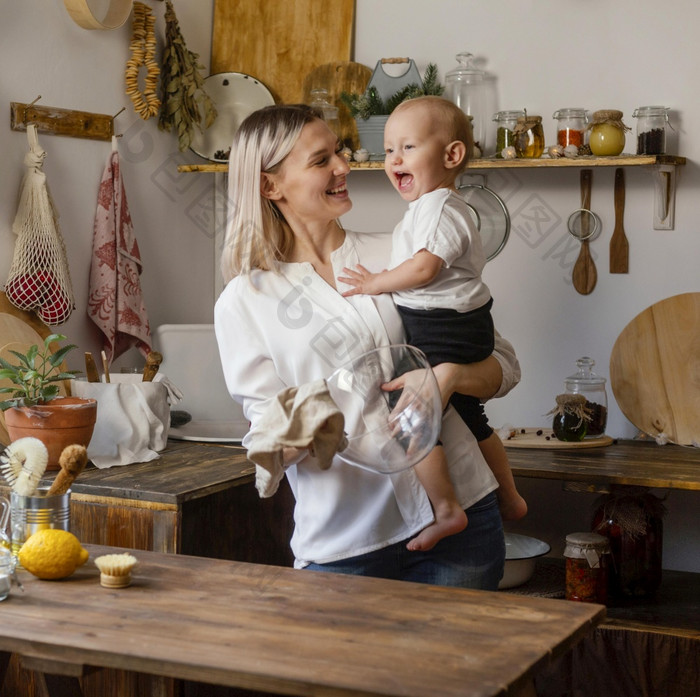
<point>584,276</point>
<point>619,247</point>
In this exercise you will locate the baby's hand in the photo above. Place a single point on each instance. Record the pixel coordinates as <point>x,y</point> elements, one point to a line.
<point>361,280</point>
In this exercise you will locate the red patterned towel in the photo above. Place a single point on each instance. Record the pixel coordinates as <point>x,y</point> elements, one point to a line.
<point>115,303</point>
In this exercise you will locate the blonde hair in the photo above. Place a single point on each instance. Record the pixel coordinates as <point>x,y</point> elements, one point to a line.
<point>452,122</point>
<point>257,236</point>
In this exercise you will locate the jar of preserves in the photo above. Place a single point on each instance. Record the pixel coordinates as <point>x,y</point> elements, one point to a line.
<point>585,382</point>
<point>607,132</point>
<point>631,518</point>
<point>505,125</point>
<point>651,129</point>
<point>528,136</point>
<point>571,126</point>
<point>587,557</point>
<point>570,422</point>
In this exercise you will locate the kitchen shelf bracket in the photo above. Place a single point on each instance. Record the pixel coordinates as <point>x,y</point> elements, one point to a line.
<point>664,196</point>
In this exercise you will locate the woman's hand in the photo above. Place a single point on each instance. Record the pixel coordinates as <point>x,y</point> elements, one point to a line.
<point>363,281</point>
<point>481,380</point>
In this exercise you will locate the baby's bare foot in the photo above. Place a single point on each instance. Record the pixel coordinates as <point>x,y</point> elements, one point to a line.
<point>443,526</point>
<point>513,508</point>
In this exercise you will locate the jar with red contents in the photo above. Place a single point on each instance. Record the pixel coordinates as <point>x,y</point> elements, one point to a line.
<point>631,518</point>
<point>571,126</point>
<point>587,559</point>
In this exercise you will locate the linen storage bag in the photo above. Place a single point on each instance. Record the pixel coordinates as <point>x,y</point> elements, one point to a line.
<point>133,418</point>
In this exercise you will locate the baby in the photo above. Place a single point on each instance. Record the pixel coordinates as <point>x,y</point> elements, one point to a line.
<point>435,278</point>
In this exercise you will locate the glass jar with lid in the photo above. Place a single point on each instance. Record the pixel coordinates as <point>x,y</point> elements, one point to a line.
<point>528,136</point>
<point>319,101</point>
<point>571,126</point>
<point>607,132</point>
<point>587,559</point>
<point>505,125</point>
<point>585,382</point>
<point>464,85</point>
<point>651,129</point>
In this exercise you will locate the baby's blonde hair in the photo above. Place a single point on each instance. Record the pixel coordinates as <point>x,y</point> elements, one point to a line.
<point>451,121</point>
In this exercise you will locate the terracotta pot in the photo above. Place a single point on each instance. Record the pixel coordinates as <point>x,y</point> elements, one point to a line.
<point>63,421</point>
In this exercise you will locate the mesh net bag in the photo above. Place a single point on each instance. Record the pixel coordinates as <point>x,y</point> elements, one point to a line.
<point>39,279</point>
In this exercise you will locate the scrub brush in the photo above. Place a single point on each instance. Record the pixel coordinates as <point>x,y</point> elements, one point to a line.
<point>72,462</point>
<point>115,569</point>
<point>23,464</point>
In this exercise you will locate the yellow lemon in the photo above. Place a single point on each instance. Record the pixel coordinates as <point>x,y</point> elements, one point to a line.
<point>52,554</point>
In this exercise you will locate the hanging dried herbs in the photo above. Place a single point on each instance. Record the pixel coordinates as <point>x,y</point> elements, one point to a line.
<point>184,100</point>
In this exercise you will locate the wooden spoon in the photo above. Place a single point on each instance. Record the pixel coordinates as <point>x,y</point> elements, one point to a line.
<point>584,275</point>
<point>619,247</point>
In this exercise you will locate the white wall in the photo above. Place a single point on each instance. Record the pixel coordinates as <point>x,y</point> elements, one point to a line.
<point>542,55</point>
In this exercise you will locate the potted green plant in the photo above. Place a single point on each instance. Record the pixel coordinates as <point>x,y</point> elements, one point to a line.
<point>36,407</point>
<point>370,111</point>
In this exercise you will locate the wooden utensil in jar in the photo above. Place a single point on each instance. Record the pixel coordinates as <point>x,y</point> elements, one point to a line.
<point>619,247</point>
<point>72,462</point>
<point>153,361</point>
<point>584,275</point>
<point>91,368</point>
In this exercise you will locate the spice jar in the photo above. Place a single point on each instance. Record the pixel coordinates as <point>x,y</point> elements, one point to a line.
<point>528,136</point>
<point>651,129</point>
<point>505,125</point>
<point>570,422</point>
<point>632,520</point>
<point>587,555</point>
<point>607,132</point>
<point>571,126</point>
<point>585,382</point>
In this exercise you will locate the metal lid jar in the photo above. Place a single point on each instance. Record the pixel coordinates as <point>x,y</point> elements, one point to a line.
<point>607,132</point>
<point>585,382</point>
<point>464,85</point>
<point>529,136</point>
<point>651,129</point>
<point>505,125</point>
<point>587,557</point>
<point>571,126</point>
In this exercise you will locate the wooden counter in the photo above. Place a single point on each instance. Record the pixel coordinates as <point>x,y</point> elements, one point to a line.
<point>628,462</point>
<point>285,631</point>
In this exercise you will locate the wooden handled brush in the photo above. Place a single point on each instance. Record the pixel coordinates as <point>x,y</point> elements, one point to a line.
<point>72,461</point>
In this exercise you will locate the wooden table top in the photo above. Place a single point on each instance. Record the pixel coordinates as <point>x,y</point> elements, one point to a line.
<point>628,462</point>
<point>293,632</point>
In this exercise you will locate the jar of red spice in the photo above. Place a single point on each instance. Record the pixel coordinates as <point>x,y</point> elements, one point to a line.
<point>571,126</point>
<point>587,559</point>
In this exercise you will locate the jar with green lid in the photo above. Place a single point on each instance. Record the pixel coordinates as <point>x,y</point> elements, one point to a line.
<point>607,132</point>
<point>651,129</point>
<point>585,382</point>
<point>528,136</point>
<point>505,125</point>
<point>571,126</point>
<point>587,559</point>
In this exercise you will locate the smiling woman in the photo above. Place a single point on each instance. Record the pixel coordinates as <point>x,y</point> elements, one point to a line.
<point>282,322</point>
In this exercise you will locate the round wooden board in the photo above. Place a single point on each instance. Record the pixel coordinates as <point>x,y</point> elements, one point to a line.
<point>537,438</point>
<point>655,369</point>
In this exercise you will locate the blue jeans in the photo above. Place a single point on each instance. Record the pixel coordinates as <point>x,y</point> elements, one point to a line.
<point>473,558</point>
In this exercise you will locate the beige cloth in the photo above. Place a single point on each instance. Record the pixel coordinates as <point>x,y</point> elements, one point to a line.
<point>298,417</point>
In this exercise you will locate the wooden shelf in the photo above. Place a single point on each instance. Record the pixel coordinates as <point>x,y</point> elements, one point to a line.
<point>488,163</point>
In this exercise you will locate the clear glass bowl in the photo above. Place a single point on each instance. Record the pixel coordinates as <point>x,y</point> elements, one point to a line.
<point>388,430</point>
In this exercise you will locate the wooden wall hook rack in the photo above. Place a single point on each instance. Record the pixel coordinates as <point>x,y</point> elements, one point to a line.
<point>61,122</point>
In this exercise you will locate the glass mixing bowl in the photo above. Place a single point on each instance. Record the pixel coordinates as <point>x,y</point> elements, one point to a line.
<point>387,430</point>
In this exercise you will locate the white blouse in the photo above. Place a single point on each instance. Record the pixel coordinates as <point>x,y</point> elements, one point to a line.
<point>277,330</point>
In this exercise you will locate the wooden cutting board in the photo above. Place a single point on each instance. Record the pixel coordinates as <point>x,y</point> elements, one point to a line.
<point>279,42</point>
<point>18,331</point>
<point>339,77</point>
<point>655,369</point>
<point>544,438</point>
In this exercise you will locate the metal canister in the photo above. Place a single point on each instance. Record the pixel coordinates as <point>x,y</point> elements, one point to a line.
<point>29,514</point>
<point>587,559</point>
